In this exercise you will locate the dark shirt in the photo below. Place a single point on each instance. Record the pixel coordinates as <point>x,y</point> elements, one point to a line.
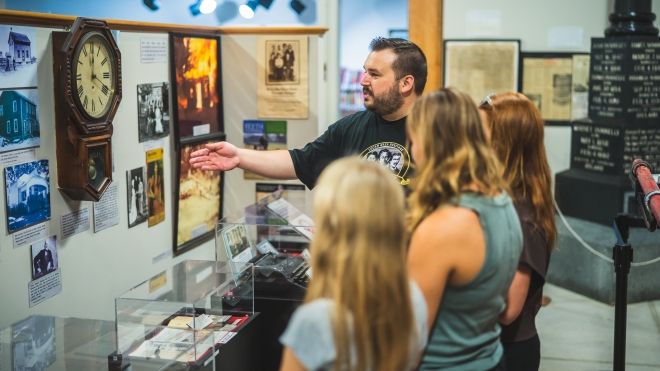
<point>536,255</point>
<point>364,133</point>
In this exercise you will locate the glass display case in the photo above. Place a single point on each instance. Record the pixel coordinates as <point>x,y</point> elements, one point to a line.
<point>185,313</point>
<point>274,235</point>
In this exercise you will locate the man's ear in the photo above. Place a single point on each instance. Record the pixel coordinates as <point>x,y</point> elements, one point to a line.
<point>407,84</point>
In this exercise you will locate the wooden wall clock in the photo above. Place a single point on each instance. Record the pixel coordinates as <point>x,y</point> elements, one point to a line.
<point>87,81</point>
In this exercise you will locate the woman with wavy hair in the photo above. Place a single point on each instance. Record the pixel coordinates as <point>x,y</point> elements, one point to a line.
<point>466,236</point>
<point>361,311</point>
<point>516,131</point>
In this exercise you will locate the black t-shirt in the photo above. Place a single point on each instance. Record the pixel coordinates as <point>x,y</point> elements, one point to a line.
<point>536,255</point>
<point>365,134</point>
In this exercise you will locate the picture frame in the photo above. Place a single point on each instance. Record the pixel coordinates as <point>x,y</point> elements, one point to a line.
<point>198,197</point>
<point>480,67</point>
<point>547,80</point>
<point>238,246</point>
<point>196,81</point>
<point>27,194</point>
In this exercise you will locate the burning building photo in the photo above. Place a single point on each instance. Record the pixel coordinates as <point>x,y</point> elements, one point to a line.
<point>197,93</point>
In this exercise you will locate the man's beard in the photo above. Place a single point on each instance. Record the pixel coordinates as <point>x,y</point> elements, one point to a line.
<point>387,104</point>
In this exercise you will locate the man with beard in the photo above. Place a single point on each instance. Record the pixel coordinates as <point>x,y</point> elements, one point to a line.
<point>394,77</point>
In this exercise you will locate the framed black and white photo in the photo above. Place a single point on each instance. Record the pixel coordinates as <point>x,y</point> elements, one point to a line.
<point>136,196</point>
<point>482,67</point>
<point>27,194</point>
<point>198,201</point>
<point>18,58</point>
<point>44,257</point>
<point>153,111</point>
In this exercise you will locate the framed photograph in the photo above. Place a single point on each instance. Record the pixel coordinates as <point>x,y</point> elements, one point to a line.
<point>198,201</point>
<point>44,257</point>
<point>482,67</point>
<point>18,56</point>
<point>153,111</point>
<point>28,194</point>
<point>196,78</point>
<point>19,119</point>
<point>238,246</point>
<point>155,187</point>
<point>547,79</point>
<point>136,196</point>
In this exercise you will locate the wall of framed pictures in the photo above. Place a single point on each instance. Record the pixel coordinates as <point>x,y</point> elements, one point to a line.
<point>97,266</point>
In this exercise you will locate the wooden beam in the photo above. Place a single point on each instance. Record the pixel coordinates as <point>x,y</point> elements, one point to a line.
<point>65,21</point>
<point>425,30</point>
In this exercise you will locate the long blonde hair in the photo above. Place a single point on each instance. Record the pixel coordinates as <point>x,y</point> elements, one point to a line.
<point>359,262</point>
<point>456,154</point>
<point>516,130</point>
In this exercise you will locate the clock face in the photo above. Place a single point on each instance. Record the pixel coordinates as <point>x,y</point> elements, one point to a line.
<point>93,73</point>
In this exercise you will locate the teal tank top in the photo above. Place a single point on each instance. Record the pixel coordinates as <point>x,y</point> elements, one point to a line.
<point>466,333</point>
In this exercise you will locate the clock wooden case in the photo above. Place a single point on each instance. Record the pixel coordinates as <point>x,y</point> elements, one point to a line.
<point>87,81</point>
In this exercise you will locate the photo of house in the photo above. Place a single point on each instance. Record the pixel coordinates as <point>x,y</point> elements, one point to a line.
<point>28,194</point>
<point>19,122</point>
<point>18,62</point>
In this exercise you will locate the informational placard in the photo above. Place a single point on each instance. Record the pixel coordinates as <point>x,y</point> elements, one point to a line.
<point>17,157</point>
<point>44,288</point>
<point>153,50</point>
<point>38,232</point>
<point>106,211</point>
<point>282,77</point>
<point>74,222</point>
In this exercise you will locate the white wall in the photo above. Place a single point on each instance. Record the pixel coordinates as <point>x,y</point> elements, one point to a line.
<point>98,267</point>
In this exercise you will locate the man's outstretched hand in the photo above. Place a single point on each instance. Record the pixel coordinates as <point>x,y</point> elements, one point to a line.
<point>219,156</point>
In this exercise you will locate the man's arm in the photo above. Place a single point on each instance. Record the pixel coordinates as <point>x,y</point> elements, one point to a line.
<point>224,156</point>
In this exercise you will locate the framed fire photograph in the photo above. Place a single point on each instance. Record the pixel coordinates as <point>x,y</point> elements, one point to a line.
<point>482,67</point>
<point>547,80</point>
<point>197,86</point>
<point>198,197</point>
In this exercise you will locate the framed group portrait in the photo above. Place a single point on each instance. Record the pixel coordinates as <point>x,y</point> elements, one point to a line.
<point>482,67</point>
<point>197,85</point>
<point>198,197</point>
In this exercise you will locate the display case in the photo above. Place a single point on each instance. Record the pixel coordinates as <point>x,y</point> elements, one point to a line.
<point>182,315</point>
<point>274,235</point>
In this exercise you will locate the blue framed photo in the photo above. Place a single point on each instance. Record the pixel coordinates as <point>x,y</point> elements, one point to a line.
<point>28,194</point>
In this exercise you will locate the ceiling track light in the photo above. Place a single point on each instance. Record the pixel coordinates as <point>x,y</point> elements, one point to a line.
<point>297,6</point>
<point>247,10</point>
<point>203,7</point>
<point>266,3</point>
<point>153,5</point>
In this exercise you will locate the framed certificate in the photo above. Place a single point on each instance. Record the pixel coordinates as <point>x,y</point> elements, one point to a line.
<point>482,67</point>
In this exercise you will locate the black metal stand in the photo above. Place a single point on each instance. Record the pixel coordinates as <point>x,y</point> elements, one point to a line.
<point>622,255</point>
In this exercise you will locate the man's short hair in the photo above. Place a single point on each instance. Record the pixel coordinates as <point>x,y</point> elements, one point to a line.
<point>410,59</point>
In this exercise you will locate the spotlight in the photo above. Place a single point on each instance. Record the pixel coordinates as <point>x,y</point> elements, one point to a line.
<point>203,7</point>
<point>153,5</point>
<point>247,10</point>
<point>297,6</point>
<point>266,3</point>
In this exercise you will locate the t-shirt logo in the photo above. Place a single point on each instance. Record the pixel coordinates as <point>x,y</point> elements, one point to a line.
<point>391,155</point>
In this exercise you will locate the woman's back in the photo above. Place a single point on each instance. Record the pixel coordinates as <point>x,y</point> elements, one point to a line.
<point>466,332</point>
